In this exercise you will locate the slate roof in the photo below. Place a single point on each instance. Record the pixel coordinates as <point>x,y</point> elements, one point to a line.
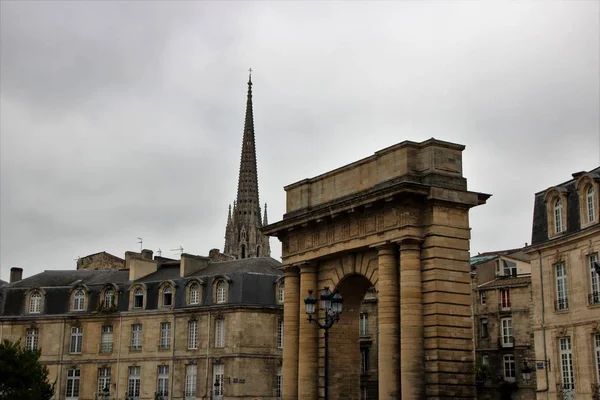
<point>3,283</point>
<point>539,230</point>
<point>252,282</point>
<point>506,282</point>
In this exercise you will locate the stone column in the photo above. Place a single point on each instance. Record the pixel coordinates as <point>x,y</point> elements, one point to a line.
<point>308,356</point>
<point>388,321</point>
<point>290,337</point>
<point>411,321</point>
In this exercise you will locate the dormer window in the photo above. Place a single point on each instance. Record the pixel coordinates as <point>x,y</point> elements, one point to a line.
<point>138,298</point>
<point>109,298</point>
<point>221,292</point>
<point>194,293</point>
<point>167,296</point>
<point>79,300</point>
<point>590,200</point>
<point>558,216</point>
<point>35,303</point>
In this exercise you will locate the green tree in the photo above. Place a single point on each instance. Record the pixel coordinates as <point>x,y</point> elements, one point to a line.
<point>22,376</point>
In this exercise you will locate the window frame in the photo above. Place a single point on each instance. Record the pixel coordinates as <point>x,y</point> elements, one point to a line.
<point>594,297</point>
<point>484,333</point>
<point>74,378</point>
<point>221,292</point>
<point>507,332</point>
<point>165,335</point>
<point>137,294</point>
<point>193,339</point>
<point>280,333</point>
<point>363,324</point>
<point>194,293</point>
<point>590,202</point>
<point>134,381</point>
<point>565,357</point>
<point>32,338</point>
<point>557,207</point>
<point>483,297</point>
<point>162,380</point>
<point>191,382</point>
<point>79,300</point>
<point>136,340</point>
<point>220,333</point>
<point>35,302</point>
<point>76,340</point>
<point>509,367</point>
<point>505,299</point>
<point>561,286</point>
<point>106,331</point>
<point>103,378</point>
<point>364,360</point>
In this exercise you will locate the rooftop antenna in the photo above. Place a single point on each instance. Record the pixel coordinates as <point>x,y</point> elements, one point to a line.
<point>180,250</point>
<point>159,252</point>
<point>140,241</point>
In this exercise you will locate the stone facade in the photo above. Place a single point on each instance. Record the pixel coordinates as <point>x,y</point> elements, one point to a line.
<point>396,221</point>
<point>566,316</point>
<point>502,303</point>
<point>178,324</point>
<point>102,260</point>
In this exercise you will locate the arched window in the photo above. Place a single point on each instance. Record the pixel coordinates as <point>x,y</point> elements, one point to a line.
<point>167,296</point>
<point>138,298</point>
<point>35,303</point>
<point>79,301</point>
<point>221,292</point>
<point>109,298</point>
<point>194,293</point>
<point>591,203</point>
<point>558,216</point>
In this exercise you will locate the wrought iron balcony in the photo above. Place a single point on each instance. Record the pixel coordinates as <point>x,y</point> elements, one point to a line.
<point>506,342</point>
<point>561,304</point>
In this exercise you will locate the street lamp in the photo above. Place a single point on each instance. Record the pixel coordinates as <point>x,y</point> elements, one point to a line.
<point>331,304</point>
<point>105,395</point>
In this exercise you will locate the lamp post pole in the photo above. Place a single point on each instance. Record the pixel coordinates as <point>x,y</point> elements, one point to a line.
<point>331,304</point>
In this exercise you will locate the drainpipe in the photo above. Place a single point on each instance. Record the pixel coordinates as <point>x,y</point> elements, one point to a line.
<point>207,350</point>
<point>119,355</point>
<point>172,394</point>
<point>543,324</point>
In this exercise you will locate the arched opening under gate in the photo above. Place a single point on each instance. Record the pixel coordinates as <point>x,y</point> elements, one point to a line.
<point>345,364</point>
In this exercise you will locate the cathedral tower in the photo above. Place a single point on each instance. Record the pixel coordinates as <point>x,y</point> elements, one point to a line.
<point>243,238</point>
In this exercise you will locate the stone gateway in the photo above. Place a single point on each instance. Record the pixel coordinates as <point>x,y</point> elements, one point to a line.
<point>397,221</point>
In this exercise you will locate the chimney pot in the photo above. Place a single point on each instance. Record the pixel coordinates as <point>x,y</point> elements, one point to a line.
<point>16,274</point>
<point>147,254</point>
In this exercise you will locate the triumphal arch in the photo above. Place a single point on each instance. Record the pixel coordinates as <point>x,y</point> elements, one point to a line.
<point>397,221</point>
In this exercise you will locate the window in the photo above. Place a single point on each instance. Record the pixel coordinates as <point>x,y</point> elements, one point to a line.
<point>483,328</point>
<point>194,293</point>
<point>364,324</point>
<point>594,281</point>
<point>192,334</point>
<point>591,203</point>
<point>485,360</point>
<point>32,338</point>
<point>221,292</point>
<point>597,346</point>
<point>165,335</point>
<point>562,301</point>
<point>167,296</point>
<point>281,293</point>
<point>280,333</point>
<point>510,268</point>
<point>136,337</point>
<point>103,379</point>
<point>220,333</point>
<point>35,303</point>
<point>278,384</point>
<point>558,216</point>
<point>79,301</point>
<point>109,298</point>
<point>218,372</point>
<point>483,297</point>
<point>190,381</point>
<point>364,393</point>
<point>72,390</point>
<point>364,360</point>
<point>106,340</point>
<point>507,332</point>
<point>509,368</point>
<point>162,384</point>
<point>133,384</point>
<point>566,362</point>
<point>76,339</point>
<point>505,299</point>
<point>138,298</point>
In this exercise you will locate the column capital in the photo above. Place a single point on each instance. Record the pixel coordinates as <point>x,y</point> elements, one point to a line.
<point>289,270</point>
<point>410,243</point>
<point>306,267</point>
<point>385,248</point>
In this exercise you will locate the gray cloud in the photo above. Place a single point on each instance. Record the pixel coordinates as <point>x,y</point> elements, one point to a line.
<point>124,119</point>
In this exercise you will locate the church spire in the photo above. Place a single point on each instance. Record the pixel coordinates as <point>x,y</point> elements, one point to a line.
<point>244,238</point>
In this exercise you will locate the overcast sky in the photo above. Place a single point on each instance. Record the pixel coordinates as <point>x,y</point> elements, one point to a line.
<point>124,119</point>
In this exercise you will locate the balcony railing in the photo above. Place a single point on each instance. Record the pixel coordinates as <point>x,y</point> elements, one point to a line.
<point>506,341</point>
<point>594,298</point>
<point>561,304</point>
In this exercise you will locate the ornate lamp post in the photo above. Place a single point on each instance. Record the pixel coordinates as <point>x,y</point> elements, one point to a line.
<point>331,304</point>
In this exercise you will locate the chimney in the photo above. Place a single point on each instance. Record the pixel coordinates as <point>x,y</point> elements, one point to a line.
<point>138,265</point>
<point>147,254</point>
<point>216,255</point>
<point>190,263</point>
<point>16,274</point>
